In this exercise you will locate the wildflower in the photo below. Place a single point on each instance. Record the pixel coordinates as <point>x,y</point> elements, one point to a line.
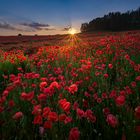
<point>75,105</point>
<point>62,117</point>
<point>138,78</point>
<point>74,134</point>
<point>122,92</point>
<point>137,112</point>
<point>104,96</point>
<point>127,57</point>
<point>54,85</point>
<point>90,116</point>
<point>133,84</point>
<point>106,75</point>
<point>43,79</point>
<point>112,120</point>
<point>46,111</point>
<point>42,97</point>
<point>68,120</point>
<point>27,96</point>
<point>87,94</point>
<point>41,130</point>
<point>65,105</point>
<point>85,103</point>
<point>47,91</point>
<point>120,100</point>
<point>95,96</point>
<point>106,111</point>
<point>99,100</point>
<point>52,116</point>
<point>80,113</point>
<point>43,85</point>
<point>110,66</point>
<point>47,125</point>
<point>5,93</point>
<point>37,110</point>
<point>73,88</point>
<point>17,115</point>
<point>11,103</point>
<point>38,119</point>
<point>33,102</point>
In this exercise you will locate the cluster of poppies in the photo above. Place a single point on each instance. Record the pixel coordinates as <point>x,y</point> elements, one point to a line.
<point>73,92</point>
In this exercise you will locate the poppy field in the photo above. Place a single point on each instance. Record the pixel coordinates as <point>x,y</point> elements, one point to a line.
<point>82,87</point>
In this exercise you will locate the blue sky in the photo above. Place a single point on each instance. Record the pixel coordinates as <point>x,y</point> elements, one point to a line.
<point>52,16</point>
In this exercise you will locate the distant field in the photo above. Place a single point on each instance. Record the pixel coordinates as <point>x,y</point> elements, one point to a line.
<point>33,42</point>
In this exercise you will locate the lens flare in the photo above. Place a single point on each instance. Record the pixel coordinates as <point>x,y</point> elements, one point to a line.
<point>72,31</point>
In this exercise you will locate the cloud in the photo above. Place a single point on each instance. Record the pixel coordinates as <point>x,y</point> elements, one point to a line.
<point>47,29</point>
<point>25,27</point>
<point>8,26</point>
<point>36,25</point>
<point>66,28</point>
<point>5,25</point>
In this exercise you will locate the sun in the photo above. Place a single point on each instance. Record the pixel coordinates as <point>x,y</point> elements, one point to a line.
<point>72,31</point>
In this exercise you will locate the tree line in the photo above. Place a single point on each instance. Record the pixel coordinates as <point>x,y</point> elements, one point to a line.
<point>114,21</point>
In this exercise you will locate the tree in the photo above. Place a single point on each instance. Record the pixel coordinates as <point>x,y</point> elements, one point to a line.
<point>84,27</point>
<point>114,21</point>
<point>19,34</point>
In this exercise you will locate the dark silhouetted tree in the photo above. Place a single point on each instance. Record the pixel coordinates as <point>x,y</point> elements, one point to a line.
<point>114,21</point>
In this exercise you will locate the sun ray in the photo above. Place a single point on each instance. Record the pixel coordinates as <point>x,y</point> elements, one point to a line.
<point>72,31</point>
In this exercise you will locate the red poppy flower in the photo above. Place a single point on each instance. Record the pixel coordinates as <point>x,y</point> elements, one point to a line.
<point>120,100</point>
<point>67,120</point>
<point>73,88</point>
<point>112,120</point>
<point>38,119</point>
<point>37,110</point>
<point>80,113</point>
<point>106,111</point>
<point>48,124</point>
<point>52,116</point>
<point>54,85</point>
<point>74,134</point>
<point>137,112</point>
<point>64,105</point>
<point>27,96</point>
<point>46,111</point>
<point>90,116</point>
<point>106,75</point>
<point>43,85</point>
<point>110,66</point>
<point>11,103</point>
<point>17,115</point>
<point>42,97</point>
<point>62,117</point>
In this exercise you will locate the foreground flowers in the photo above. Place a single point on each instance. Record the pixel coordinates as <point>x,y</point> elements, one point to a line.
<point>88,91</point>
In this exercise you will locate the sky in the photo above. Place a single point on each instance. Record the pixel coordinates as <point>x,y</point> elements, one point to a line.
<point>47,17</point>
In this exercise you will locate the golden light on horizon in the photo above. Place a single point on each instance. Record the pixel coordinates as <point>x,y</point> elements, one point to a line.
<point>72,31</point>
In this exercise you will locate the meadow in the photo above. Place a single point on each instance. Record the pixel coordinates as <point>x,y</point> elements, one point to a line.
<point>75,87</point>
